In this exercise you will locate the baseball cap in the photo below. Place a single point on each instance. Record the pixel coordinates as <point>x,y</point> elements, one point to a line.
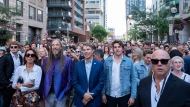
<point>3,48</point>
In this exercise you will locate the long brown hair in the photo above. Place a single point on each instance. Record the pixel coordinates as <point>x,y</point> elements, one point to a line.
<point>51,57</point>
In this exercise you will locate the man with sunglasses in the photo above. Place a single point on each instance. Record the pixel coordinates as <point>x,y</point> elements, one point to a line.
<point>9,63</point>
<point>162,88</point>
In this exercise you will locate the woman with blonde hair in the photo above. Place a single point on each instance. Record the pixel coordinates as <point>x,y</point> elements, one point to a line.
<point>137,55</point>
<point>177,65</point>
<point>42,53</point>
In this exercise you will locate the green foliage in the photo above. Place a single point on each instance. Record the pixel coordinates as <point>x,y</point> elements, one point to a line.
<point>154,21</point>
<point>99,32</point>
<point>27,42</point>
<point>7,22</point>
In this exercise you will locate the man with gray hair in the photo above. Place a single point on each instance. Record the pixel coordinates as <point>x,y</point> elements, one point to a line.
<point>57,76</point>
<point>99,55</point>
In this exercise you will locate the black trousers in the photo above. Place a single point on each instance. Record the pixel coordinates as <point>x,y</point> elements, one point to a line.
<point>7,95</point>
<point>117,102</point>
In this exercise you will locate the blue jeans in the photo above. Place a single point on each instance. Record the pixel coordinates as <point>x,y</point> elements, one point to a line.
<point>1,100</point>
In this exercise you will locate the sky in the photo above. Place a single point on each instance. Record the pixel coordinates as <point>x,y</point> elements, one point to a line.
<point>116,15</point>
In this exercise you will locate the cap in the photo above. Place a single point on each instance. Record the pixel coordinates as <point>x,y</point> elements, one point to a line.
<point>3,48</point>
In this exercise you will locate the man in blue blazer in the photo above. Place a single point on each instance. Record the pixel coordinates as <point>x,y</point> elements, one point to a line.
<point>88,80</point>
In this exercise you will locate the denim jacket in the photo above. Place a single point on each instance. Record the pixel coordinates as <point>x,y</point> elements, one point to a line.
<point>141,71</point>
<point>127,77</point>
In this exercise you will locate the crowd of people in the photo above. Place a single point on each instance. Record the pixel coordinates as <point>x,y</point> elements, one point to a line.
<point>98,74</point>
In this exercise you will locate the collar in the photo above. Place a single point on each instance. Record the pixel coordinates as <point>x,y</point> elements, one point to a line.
<point>145,63</point>
<point>33,69</point>
<point>89,61</point>
<point>120,60</point>
<point>14,55</point>
<point>165,79</point>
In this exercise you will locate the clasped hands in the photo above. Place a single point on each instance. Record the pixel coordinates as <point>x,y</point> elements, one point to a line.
<point>87,97</point>
<point>28,84</point>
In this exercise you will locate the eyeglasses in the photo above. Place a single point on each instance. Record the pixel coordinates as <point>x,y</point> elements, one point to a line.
<point>77,51</point>
<point>32,55</point>
<point>14,47</point>
<point>163,61</point>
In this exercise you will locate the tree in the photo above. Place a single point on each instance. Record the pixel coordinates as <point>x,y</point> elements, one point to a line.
<point>99,32</point>
<point>7,22</point>
<point>152,21</point>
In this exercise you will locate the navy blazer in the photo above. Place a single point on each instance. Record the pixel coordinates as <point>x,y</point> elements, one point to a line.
<point>96,83</point>
<point>176,93</point>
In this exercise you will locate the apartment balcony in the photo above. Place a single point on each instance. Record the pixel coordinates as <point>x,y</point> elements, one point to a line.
<point>64,4</point>
<point>79,11</point>
<point>58,26</point>
<point>79,3</point>
<point>65,14</point>
<point>79,27</point>
<point>79,20</point>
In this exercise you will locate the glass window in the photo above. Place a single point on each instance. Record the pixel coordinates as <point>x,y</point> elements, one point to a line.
<point>40,16</point>
<point>2,3</point>
<point>185,4</point>
<point>32,13</point>
<point>19,8</point>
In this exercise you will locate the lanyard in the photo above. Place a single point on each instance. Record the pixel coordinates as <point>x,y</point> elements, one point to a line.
<point>163,85</point>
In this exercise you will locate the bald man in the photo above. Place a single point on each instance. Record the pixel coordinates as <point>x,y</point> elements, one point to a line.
<point>162,88</point>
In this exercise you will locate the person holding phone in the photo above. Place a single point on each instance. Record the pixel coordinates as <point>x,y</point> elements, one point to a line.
<point>30,74</point>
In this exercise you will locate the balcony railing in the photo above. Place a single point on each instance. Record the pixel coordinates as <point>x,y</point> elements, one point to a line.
<point>78,3</point>
<point>60,14</point>
<point>59,3</point>
<point>56,26</point>
<point>78,19</point>
<point>78,27</point>
<point>79,11</point>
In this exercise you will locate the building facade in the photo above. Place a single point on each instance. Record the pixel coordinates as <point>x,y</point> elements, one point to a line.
<point>32,19</point>
<point>130,18</point>
<point>67,17</point>
<point>182,13</point>
<point>94,11</point>
<point>105,13</point>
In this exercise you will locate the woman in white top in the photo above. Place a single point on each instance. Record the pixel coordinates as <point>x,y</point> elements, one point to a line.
<point>30,74</point>
<point>177,65</point>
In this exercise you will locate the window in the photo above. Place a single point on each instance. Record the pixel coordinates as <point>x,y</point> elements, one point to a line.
<point>185,4</point>
<point>40,16</point>
<point>32,13</point>
<point>4,3</point>
<point>19,8</point>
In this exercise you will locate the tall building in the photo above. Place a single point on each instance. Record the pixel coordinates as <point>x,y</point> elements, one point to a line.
<point>141,4</point>
<point>32,19</point>
<point>105,13</point>
<point>94,11</point>
<point>66,16</point>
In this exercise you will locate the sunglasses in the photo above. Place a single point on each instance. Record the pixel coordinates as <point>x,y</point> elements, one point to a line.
<point>163,61</point>
<point>14,47</point>
<point>32,55</point>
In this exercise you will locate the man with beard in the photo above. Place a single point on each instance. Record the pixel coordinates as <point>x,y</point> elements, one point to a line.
<point>57,76</point>
<point>88,80</point>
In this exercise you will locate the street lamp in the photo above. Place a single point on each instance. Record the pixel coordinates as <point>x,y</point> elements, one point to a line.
<point>67,25</point>
<point>173,11</point>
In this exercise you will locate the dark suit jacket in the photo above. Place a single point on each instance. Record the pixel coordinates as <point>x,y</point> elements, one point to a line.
<point>187,65</point>
<point>176,93</point>
<point>6,69</point>
<point>96,83</point>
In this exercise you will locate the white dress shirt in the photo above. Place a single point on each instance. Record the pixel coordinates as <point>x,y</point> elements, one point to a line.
<point>115,80</point>
<point>17,63</point>
<point>88,66</point>
<point>185,77</point>
<point>154,95</point>
<point>35,73</point>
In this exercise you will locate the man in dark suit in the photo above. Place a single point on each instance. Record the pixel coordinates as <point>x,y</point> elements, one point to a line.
<point>187,65</point>
<point>162,89</point>
<point>88,80</point>
<point>9,63</point>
